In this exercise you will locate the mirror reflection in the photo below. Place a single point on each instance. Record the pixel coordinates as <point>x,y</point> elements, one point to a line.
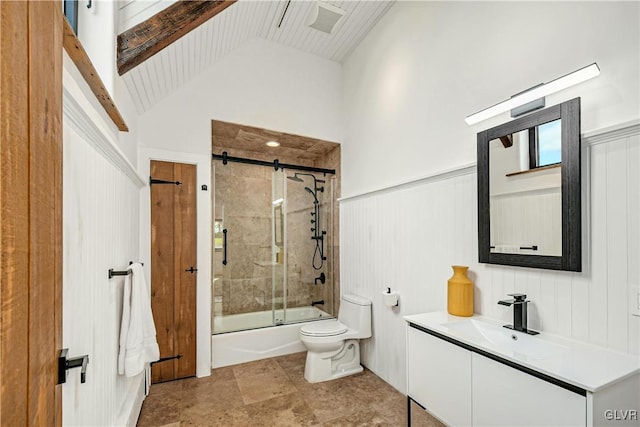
<point>525,191</point>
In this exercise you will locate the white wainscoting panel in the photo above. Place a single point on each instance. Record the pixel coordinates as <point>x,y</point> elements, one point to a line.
<point>101,191</point>
<point>407,237</point>
<point>100,231</point>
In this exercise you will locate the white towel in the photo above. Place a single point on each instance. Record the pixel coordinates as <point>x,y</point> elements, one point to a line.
<point>138,344</point>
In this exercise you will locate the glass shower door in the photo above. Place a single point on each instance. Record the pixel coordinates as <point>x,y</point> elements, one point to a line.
<point>279,232</point>
<point>247,266</point>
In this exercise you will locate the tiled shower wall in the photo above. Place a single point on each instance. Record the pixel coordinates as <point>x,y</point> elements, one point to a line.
<point>407,238</point>
<point>243,201</point>
<point>301,286</point>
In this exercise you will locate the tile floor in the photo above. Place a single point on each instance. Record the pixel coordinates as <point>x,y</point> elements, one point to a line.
<point>273,392</point>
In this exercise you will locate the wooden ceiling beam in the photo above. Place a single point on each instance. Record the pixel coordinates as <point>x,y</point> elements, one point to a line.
<point>144,40</point>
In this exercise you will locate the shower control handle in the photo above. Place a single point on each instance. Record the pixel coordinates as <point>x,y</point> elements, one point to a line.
<point>224,247</point>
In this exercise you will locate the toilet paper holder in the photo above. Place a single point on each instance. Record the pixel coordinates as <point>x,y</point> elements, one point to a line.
<point>390,298</point>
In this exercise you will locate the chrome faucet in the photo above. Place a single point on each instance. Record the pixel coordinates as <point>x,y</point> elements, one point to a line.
<point>519,303</point>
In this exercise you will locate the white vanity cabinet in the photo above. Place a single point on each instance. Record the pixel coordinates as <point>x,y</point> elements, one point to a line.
<point>504,396</point>
<point>465,374</point>
<point>463,388</point>
<point>437,371</point>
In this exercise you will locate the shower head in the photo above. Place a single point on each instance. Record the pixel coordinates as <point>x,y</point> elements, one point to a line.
<point>295,178</point>
<point>312,193</point>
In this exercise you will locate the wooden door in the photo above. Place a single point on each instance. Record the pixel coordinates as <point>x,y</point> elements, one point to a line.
<point>173,268</point>
<point>30,212</point>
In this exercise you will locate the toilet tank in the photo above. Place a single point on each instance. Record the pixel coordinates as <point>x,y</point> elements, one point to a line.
<point>355,313</point>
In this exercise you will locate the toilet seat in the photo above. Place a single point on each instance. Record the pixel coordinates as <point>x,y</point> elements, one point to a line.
<point>323,329</point>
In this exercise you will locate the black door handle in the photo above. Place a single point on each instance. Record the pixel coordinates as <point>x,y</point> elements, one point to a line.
<point>64,364</point>
<point>224,247</point>
<point>192,270</point>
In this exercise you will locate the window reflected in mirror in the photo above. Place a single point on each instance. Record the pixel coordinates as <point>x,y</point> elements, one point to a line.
<point>546,144</point>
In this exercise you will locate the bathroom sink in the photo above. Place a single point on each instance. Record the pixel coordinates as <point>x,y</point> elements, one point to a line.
<point>507,340</point>
<point>581,364</point>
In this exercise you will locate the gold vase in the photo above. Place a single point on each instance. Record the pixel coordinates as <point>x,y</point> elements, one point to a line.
<point>460,292</point>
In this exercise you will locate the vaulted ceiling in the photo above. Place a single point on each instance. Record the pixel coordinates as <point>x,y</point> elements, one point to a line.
<point>184,59</point>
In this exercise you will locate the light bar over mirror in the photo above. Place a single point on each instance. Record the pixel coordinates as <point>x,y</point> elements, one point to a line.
<point>540,91</point>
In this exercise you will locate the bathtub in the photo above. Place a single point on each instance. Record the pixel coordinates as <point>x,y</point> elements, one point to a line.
<point>260,339</point>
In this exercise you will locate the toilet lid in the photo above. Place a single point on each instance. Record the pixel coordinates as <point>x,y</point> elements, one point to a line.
<point>323,329</point>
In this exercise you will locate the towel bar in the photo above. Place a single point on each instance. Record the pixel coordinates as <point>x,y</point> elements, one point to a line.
<point>113,272</point>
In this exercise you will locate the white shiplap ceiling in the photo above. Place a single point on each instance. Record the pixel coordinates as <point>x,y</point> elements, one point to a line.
<point>183,60</point>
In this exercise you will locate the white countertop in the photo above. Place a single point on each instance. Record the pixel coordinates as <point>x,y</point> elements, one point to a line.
<point>584,365</point>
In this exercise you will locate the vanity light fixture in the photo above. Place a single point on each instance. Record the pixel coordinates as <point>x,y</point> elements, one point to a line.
<point>533,94</point>
<point>273,144</point>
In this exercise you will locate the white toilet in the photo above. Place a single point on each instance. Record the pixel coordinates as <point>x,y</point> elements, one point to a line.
<point>333,350</point>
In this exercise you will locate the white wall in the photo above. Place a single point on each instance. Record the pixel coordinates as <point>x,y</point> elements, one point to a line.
<point>408,87</point>
<point>96,32</point>
<point>100,231</point>
<point>427,65</point>
<point>127,142</point>
<point>259,84</point>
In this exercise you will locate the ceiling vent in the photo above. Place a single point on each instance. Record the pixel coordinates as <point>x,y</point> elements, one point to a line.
<point>324,17</point>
